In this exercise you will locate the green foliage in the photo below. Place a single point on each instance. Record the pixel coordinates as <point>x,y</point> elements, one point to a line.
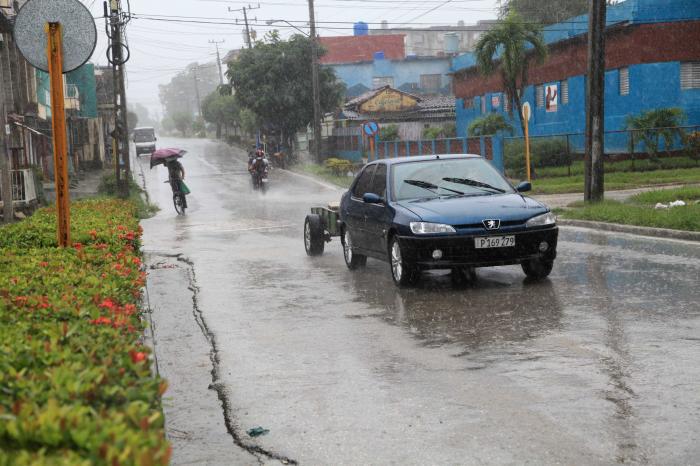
<point>677,218</point>
<point>544,152</point>
<point>545,11</point>
<point>449,130</point>
<point>338,167</point>
<point>76,382</point>
<point>688,194</point>
<point>507,43</point>
<point>653,126</point>
<point>389,133</point>
<point>692,145</point>
<point>488,125</point>
<point>320,171</point>
<point>272,80</point>
<point>220,109</point>
<point>108,187</point>
<point>180,95</point>
<point>182,122</point>
<point>643,165</point>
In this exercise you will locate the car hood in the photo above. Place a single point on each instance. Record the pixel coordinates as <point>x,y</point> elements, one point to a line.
<point>472,210</point>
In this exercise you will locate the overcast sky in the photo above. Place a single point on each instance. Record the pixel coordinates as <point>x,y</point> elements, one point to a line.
<point>160,48</point>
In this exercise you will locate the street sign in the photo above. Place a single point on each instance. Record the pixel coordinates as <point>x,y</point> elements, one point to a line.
<point>78,27</point>
<point>527,112</point>
<point>370,128</point>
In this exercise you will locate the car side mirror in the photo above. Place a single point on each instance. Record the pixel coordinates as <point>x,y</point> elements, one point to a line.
<point>371,198</point>
<point>523,187</point>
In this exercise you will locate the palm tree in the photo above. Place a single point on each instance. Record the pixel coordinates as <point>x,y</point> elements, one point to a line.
<point>505,48</point>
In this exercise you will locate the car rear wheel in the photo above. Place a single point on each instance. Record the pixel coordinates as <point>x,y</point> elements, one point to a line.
<point>402,272</point>
<point>352,259</point>
<point>537,268</point>
<point>313,235</point>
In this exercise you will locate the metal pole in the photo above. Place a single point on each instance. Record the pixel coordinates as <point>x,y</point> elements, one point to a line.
<point>315,83</point>
<point>58,123</point>
<point>196,93</point>
<point>218,59</point>
<point>5,177</point>
<point>595,103</point>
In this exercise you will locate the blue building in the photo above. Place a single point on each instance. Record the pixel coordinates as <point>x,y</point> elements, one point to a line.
<point>652,61</point>
<point>417,75</point>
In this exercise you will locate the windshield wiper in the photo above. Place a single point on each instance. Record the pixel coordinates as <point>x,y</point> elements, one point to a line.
<point>476,184</point>
<point>430,186</point>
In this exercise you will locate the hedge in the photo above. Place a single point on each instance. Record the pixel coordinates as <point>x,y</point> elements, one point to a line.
<point>75,381</point>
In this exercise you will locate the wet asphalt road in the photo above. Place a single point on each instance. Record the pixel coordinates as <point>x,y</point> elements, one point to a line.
<point>600,364</point>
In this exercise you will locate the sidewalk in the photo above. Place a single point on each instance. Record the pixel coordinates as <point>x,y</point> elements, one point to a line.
<point>86,187</point>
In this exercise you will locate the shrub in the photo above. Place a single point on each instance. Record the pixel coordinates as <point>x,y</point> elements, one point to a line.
<point>545,152</point>
<point>339,167</point>
<point>76,383</point>
<point>389,133</point>
<point>489,125</point>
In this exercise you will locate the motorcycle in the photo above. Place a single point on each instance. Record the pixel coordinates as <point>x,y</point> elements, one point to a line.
<point>260,173</point>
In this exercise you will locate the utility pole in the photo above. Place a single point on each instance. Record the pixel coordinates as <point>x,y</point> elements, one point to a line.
<point>196,91</point>
<point>6,180</point>
<point>218,59</point>
<point>595,103</point>
<point>245,19</point>
<point>121,131</point>
<point>316,87</point>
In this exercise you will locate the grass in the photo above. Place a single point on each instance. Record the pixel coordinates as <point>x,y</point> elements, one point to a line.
<point>639,210</point>
<point>325,174</point>
<point>108,187</point>
<point>645,165</point>
<point>617,180</point>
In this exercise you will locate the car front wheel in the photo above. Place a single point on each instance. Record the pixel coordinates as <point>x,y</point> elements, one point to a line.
<point>402,272</point>
<point>537,268</point>
<point>352,259</point>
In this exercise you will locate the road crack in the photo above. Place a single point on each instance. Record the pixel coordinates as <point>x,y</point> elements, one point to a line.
<point>216,383</point>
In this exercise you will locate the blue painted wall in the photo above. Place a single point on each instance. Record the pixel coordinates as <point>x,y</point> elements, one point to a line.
<point>652,86</point>
<point>403,71</point>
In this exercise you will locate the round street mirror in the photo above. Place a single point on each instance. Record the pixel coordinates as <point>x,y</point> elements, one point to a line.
<point>78,27</point>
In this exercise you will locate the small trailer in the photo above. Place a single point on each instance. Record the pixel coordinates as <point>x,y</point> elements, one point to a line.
<point>320,226</point>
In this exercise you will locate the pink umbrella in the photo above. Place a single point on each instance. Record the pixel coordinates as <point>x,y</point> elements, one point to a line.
<point>163,155</point>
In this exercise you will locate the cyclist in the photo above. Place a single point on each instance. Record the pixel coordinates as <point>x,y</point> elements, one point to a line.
<point>176,174</point>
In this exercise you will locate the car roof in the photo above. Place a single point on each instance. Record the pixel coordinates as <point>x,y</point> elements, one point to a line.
<point>143,127</point>
<point>422,158</point>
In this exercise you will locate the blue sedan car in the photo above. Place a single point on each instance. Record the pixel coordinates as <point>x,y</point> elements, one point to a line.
<point>444,212</point>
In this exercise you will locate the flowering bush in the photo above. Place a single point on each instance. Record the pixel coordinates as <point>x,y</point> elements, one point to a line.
<point>75,382</point>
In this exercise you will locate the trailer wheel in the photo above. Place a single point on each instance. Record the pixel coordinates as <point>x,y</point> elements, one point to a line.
<point>314,240</point>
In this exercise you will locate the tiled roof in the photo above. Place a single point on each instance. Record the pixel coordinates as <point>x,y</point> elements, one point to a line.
<point>352,49</point>
<point>362,98</point>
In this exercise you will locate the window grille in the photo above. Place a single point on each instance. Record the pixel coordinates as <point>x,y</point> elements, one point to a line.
<point>690,75</point>
<point>624,81</point>
<point>539,93</point>
<point>565,92</point>
<point>380,81</point>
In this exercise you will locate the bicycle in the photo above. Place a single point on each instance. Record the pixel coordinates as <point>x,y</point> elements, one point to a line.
<point>179,199</point>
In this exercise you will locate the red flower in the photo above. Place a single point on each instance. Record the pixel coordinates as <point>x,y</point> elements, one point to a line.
<point>137,356</point>
<point>78,246</point>
<point>43,264</point>
<point>93,233</point>
<point>107,304</point>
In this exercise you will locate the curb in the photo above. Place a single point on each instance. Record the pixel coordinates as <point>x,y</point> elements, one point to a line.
<point>665,233</point>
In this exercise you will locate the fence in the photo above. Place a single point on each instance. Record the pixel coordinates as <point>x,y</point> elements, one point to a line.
<point>565,150</point>
<point>23,187</point>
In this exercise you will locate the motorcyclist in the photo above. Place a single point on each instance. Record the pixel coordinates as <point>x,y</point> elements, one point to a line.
<point>259,165</point>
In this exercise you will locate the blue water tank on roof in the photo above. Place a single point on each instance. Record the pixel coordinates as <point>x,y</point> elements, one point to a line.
<point>360,29</point>
<point>379,55</point>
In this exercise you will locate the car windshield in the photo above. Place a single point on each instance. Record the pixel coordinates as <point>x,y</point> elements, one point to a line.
<point>446,178</point>
<point>144,135</point>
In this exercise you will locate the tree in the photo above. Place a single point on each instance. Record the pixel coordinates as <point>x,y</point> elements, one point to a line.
<point>183,122</point>
<point>132,120</point>
<point>272,80</point>
<point>655,125</point>
<point>507,42</point>
<point>544,11</point>
<point>489,125</point>
<point>180,94</point>
<point>220,110</point>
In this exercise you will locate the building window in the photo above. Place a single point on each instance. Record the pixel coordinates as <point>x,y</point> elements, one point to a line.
<point>565,92</point>
<point>431,81</point>
<point>624,81</point>
<point>539,96</point>
<point>381,81</point>
<point>690,75</point>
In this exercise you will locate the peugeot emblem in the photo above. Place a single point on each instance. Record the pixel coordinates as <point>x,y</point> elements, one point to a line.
<point>492,224</point>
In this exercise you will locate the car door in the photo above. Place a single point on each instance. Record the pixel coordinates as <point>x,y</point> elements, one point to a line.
<point>357,209</point>
<point>378,216</point>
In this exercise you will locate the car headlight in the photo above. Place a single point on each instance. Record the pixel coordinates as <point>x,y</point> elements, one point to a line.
<point>427,228</point>
<point>542,220</point>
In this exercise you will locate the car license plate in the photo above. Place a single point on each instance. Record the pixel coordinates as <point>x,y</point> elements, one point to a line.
<point>485,242</point>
